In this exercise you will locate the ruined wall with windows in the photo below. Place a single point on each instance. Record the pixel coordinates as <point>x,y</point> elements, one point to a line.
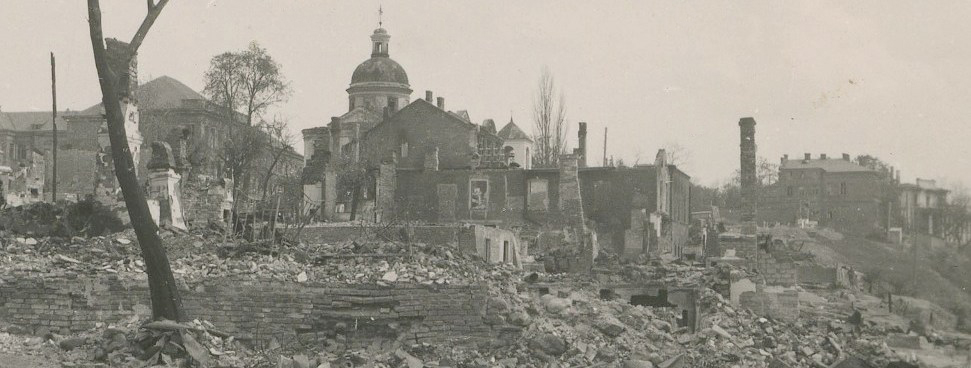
<point>495,196</point>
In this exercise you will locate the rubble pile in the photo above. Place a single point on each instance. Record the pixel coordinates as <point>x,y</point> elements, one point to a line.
<point>575,326</point>
<point>192,258</point>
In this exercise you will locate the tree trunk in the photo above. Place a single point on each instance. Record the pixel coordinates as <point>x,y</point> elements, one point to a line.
<point>269,172</point>
<point>355,198</point>
<point>166,302</point>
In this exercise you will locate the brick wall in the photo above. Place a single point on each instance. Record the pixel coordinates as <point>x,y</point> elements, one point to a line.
<point>817,274</point>
<point>422,234</point>
<point>774,271</point>
<point>260,310</point>
<point>781,304</point>
<point>446,196</point>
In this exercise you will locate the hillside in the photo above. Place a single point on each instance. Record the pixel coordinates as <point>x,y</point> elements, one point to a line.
<point>939,276</point>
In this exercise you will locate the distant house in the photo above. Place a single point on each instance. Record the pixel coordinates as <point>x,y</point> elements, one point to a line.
<point>921,207</point>
<point>835,192</point>
<point>518,143</point>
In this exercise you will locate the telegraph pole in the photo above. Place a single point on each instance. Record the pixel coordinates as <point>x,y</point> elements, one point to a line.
<point>54,129</point>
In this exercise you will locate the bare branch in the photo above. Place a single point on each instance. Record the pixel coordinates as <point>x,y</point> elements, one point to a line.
<point>153,12</point>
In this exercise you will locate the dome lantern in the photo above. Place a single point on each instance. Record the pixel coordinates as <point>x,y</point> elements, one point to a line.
<point>379,82</point>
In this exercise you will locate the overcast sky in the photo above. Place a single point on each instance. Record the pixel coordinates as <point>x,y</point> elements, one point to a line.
<point>889,78</point>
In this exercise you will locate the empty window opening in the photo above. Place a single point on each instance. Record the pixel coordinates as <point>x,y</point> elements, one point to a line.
<point>505,251</point>
<point>607,294</point>
<point>647,300</point>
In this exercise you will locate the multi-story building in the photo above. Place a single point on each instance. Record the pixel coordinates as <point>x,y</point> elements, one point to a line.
<point>384,124</point>
<point>836,192</point>
<point>166,110</point>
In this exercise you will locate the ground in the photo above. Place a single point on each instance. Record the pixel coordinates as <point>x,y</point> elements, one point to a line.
<point>20,360</point>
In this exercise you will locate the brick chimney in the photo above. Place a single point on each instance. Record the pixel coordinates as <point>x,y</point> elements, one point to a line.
<point>441,103</point>
<point>846,156</point>
<point>127,74</point>
<point>822,156</point>
<point>428,96</point>
<point>582,144</point>
<point>784,159</point>
<point>808,156</point>
<point>748,182</point>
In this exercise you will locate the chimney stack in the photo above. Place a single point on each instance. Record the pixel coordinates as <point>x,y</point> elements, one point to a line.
<point>808,156</point>
<point>748,182</point>
<point>428,96</point>
<point>846,156</point>
<point>441,103</point>
<point>822,156</point>
<point>785,158</point>
<point>582,144</point>
<point>127,75</point>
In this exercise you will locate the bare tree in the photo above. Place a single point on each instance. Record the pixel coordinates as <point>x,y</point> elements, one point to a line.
<point>249,80</point>
<point>678,155</point>
<point>957,215</point>
<point>241,147</point>
<point>280,142</point>
<point>549,119</point>
<point>166,301</point>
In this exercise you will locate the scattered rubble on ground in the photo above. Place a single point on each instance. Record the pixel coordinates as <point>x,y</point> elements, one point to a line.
<point>573,327</point>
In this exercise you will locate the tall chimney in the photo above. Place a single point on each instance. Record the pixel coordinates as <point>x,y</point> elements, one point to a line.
<point>748,182</point>
<point>428,96</point>
<point>441,103</point>
<point>582,144</point>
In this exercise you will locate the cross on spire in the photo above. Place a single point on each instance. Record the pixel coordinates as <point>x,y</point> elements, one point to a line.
<point>380,16</point>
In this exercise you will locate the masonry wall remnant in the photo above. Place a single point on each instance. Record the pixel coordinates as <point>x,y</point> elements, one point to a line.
<point>260,310</point>
<point>772,301</point>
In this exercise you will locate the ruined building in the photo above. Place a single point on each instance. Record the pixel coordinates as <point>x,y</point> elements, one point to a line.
<point>26,139</point>
<point>384,125</point>
<point>390,159</point>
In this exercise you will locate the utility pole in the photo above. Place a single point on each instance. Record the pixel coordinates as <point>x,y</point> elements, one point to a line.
<point>914,275</point>
<point>605,146</point>
<point>54,129</point>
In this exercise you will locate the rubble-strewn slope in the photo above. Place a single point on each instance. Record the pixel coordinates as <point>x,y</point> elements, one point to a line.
<point>574,326</point>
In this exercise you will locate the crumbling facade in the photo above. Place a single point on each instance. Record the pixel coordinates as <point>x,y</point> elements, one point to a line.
<point>384,125</point>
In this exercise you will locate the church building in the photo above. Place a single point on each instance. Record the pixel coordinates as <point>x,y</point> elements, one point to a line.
<point>383,124</point>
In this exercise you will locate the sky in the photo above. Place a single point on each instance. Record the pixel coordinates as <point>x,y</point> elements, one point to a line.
<point>886,78</point>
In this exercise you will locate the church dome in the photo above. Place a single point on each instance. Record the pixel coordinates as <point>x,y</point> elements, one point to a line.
<point>379,69</point>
